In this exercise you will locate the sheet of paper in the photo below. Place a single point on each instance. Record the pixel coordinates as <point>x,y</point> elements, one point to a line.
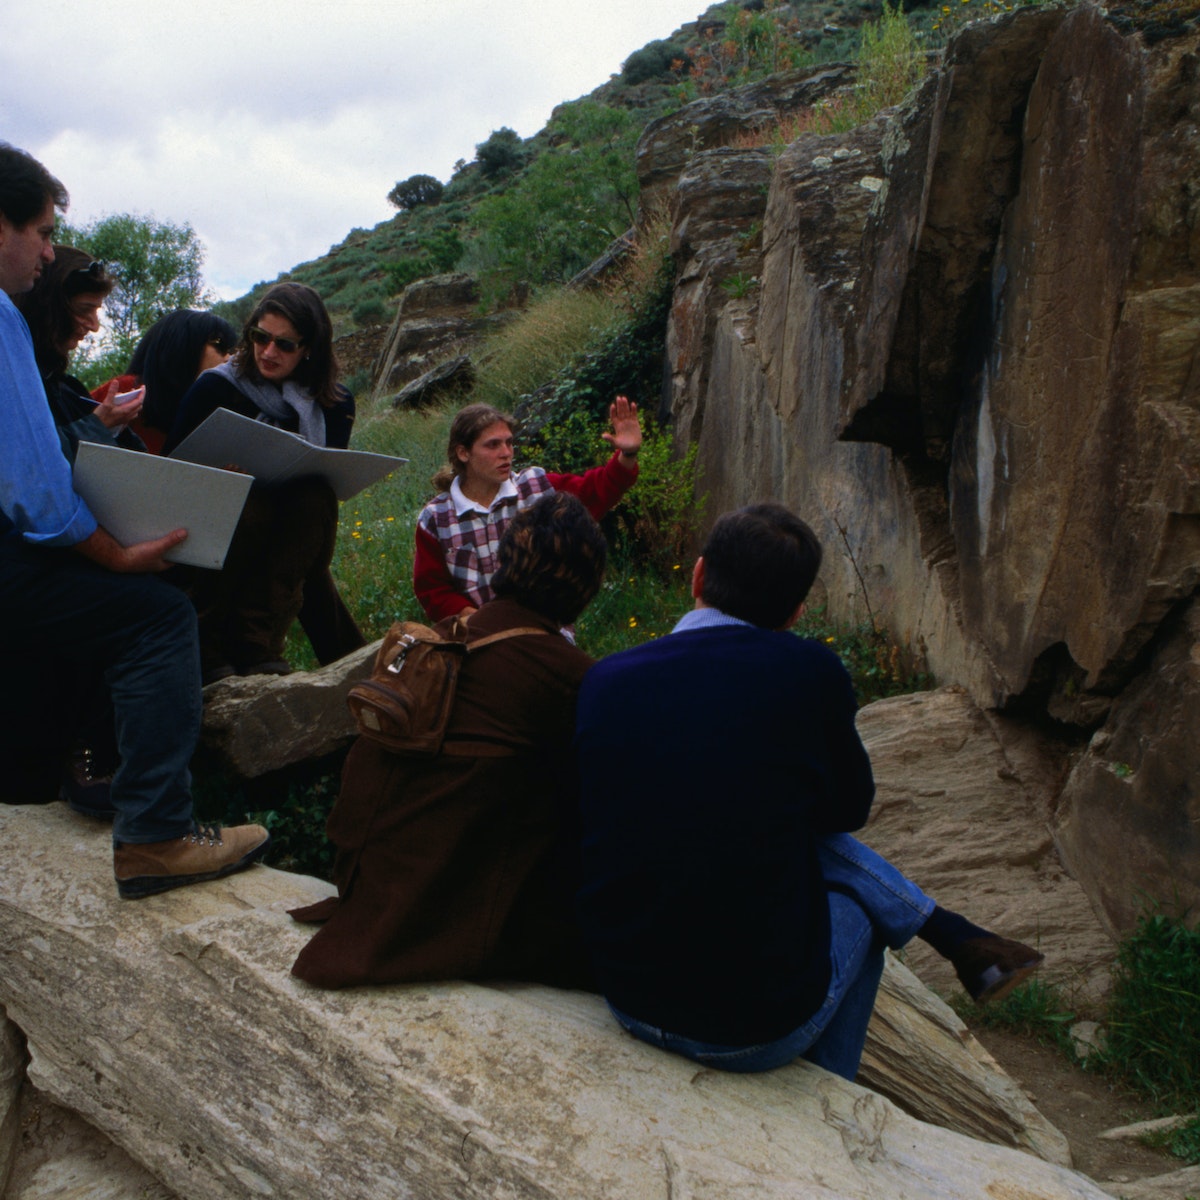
<point>138,497</point>
<point>273,455</point>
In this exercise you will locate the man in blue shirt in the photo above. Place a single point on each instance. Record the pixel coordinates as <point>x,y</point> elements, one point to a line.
<point>70,594</point>
<point>729,914</point>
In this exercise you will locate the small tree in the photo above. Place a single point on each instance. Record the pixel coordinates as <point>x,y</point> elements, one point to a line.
<point>157,268</point>
<point>414,191</point>
<point>501,154</point>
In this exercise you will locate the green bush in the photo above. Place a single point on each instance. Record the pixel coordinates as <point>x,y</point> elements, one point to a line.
<point>501,154</point>
<point>627,361</point>
<point>655,60</point>
<point>1152,1034</point>
<point>369,311</point>
<point>416,191</point>
<point>877,663</point>
<point>437,253</point>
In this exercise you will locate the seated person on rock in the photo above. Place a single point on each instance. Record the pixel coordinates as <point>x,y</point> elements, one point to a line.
<point>69,592</point>
<point>456,866</point>
<point>459,530</point>
<point>284,372</point>
<point>728,914</point>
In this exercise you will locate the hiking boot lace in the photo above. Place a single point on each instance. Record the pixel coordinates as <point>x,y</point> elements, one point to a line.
<point>201,834</point>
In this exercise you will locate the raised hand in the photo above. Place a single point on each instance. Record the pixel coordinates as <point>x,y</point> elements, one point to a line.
<point>627,429</point>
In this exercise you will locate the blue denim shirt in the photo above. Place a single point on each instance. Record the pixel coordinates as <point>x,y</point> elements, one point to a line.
<point>37,500</point>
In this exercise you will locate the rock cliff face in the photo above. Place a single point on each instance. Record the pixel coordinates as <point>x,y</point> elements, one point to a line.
<point>970,362</point>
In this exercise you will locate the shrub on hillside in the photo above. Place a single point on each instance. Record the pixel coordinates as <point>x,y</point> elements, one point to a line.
<point>501,154</point>
<point>654,61</point>
<point>415,191</point>
<point>568,205</point>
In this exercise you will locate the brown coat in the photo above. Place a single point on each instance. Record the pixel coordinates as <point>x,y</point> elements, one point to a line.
<point>459,868</point>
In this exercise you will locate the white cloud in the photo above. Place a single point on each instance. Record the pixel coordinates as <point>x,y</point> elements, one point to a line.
<point>276,126</point>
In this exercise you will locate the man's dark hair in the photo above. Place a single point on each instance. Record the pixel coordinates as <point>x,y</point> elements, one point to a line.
<point>759,563</point>
<point>551,558</point>
<point>26,186</point>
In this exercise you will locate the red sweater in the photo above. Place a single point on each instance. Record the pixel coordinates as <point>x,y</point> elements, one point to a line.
<point>455,555</point>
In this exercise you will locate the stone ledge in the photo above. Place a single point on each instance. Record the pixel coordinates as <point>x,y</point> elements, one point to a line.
<point>173,1025</point>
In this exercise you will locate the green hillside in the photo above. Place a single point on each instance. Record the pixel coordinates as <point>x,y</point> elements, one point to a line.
<point>536,211</point>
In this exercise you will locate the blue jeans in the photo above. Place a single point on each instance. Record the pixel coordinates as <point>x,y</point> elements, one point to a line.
<point>871,905</point>
<point>140,632</point>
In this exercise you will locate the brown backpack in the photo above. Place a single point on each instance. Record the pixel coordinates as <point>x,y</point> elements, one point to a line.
<point>405,705</point>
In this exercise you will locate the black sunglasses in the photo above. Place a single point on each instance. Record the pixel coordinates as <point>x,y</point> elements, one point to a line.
<point>260,337</point>
<point>94,270</point>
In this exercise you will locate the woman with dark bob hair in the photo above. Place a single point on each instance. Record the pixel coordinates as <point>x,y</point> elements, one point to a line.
<point>461,865</point>
<point>459,530</point>
<point>171,355</point>
<point>284,373</point>
<point>61,310</point>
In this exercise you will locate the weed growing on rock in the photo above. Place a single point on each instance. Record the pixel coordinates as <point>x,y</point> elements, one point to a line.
<point>1152,1034</point>
<point>1039,1010</point>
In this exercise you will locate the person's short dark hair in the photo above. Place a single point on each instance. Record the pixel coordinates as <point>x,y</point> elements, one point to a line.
<point>303,307</point>
<point>552,558</point>
<point>759,564</point>
<point>26,187</point>
<point>46,307</point>
<point>167,359</point>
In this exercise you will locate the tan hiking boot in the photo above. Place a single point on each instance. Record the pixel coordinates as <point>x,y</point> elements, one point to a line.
<point>207,852</point>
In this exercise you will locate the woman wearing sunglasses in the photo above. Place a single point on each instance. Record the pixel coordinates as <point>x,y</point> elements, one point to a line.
<point>284,372</point>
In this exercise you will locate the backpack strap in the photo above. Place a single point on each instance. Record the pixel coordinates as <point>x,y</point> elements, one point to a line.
<point>467,749</point>
<point>521,631</point>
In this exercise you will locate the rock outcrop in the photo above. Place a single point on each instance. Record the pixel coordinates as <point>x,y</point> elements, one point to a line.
<point>437,318</point>
<point>970,362</point>
<point>173,1026</point>
<point>549,1097</point>
<point>257,724</point>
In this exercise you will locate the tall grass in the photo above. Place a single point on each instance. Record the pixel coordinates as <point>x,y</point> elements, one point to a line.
<point>889,64</point>
<point>543,340</point>
<point>1152,1034</point>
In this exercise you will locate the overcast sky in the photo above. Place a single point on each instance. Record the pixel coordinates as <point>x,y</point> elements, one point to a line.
<point>276,126</point>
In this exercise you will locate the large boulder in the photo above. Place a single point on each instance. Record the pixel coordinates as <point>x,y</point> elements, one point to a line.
<point>1129,822</point>
<point>1076,481</point>
<point>173,1025</point>
<point>257,724</point>
<point>960,807</point>
<point>970,365</point>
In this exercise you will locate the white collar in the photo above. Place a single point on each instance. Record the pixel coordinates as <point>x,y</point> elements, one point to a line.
<point>464,504</point>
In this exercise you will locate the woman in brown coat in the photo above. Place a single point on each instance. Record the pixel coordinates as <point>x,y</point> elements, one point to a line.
<point>462,865</point>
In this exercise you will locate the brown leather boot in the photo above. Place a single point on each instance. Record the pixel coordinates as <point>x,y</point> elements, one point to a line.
<point>207,852</point>
<point>990,967</point>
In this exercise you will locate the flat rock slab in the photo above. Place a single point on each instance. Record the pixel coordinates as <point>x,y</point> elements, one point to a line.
<point>959,813</point>
<point>174,1026</point>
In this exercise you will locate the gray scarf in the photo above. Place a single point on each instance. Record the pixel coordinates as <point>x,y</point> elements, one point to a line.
<point>277,407</point>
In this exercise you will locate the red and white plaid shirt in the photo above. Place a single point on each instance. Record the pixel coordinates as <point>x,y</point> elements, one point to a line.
<point>458,539</point>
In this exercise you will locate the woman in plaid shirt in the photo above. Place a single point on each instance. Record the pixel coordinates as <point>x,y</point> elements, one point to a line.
<point>459,530</point>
